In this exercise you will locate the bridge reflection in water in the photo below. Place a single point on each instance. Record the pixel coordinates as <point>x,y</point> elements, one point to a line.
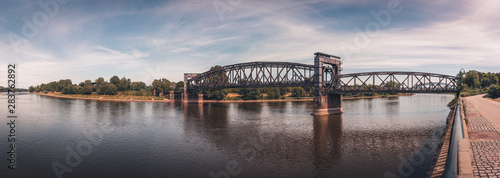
<point>281,139</point>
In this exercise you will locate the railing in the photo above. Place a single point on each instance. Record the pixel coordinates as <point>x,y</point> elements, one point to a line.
<point>457,134</point>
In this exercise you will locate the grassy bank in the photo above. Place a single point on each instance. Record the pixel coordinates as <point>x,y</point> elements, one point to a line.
<point>118,97</point>
<point>132,98</point>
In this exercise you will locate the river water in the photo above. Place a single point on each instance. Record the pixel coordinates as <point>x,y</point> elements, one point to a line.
<point>86,138</point>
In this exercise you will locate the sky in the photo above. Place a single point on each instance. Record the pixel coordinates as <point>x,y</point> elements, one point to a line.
<point>50,40</point>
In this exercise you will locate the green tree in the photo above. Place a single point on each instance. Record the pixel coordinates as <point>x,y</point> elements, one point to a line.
<point>214,94</point>
<point>115,80</point>
<point>494,91</point>
<point>110,89</point>
<point>124,84</point>
<point>391,84</point>
<point>298,92</point>
<point>88,83</point>
<point>71,89</point>
<point>472,79</point>
<point>137,86</point>
<point>99,86</point>
<point>179,85</point>
<point>62,84</point>
<point>250,93</point>
<point>161,86</point>
<point>284,90</point>
<point>273,93</point>
<point>87,90</point>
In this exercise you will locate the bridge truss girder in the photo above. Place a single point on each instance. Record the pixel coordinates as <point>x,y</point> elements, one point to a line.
<point>254,74</point>
<point>393,82</point>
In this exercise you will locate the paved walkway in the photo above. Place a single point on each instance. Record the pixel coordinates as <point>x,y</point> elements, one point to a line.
<point>483,126</point>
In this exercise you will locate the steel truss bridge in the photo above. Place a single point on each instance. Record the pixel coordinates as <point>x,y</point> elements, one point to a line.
<point>329,84</point>
<point>287,74</point>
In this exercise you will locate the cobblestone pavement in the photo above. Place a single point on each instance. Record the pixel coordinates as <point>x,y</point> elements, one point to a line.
<point>477,123</point>
<point>483,135</point>
<point>486,155</point>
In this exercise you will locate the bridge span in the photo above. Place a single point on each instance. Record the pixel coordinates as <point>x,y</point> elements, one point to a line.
<point>325,76</point>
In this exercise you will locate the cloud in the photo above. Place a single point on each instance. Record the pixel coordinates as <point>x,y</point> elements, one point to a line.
<point>155,39</point>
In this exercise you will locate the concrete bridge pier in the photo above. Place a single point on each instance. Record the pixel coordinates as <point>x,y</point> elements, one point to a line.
<point>193,98</point>
<point>326,105</point>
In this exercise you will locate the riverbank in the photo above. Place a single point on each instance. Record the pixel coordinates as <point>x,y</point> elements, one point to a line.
<point>122,98</point>
<point>441,155</point>
<point>376,96</point>
<point>130,98</point>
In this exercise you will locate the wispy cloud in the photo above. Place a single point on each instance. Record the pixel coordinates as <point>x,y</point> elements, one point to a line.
<point>89,39</point>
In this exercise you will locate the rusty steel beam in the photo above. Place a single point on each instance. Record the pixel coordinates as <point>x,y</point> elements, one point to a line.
<point>394,82</point>
<point>254,74</point>
<point>287,74</point>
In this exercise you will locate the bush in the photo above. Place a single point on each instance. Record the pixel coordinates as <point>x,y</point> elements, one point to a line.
<point>494,91</point>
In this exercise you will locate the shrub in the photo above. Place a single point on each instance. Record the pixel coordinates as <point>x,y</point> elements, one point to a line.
<point>494,91</point>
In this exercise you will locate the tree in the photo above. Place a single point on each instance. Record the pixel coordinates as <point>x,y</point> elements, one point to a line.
<point>472,79</point>
<point>137,86</point>
<point>298,92</point>
<point>124,84</point>
<point>391,84</point>
<point>31,89</point>
<point>62,84</point>
<point>110,89</point>
<point>494,91</point>
<point>284,90</point>
<point>71,89</point>
<point>217,94</point>
<point>115,80</point>
<point>273,93</point>
<point>87,90</point>
<point>179,85</point>
<point>161,86</point>
<point>250,93</point>
<point>88,83</point>
<point>100,85</point>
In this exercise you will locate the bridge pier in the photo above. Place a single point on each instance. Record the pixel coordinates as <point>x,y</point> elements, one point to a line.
<point>326,105</point>
<point>171,96</point>
<point>193,98</point>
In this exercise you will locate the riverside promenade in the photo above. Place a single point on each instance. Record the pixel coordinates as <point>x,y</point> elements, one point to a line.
<point>483,126</point>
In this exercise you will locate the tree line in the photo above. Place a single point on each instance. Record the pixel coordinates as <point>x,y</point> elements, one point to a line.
<point>476,82</point>
<point>257,93</point>
<point>159,87</point>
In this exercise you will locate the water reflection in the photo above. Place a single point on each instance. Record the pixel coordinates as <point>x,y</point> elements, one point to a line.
<point>327,143</point>
<point>278,139</point>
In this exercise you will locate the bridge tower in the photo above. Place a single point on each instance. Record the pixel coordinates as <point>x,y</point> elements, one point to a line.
<point>188,96</point>
<point>326,103</point>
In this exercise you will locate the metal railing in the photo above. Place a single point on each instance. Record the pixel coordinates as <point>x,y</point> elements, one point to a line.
<point>457,134</point>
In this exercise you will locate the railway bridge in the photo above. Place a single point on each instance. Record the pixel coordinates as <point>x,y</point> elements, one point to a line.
<point>325,76</point>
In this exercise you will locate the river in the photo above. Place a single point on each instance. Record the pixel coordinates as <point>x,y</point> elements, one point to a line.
<point>87,138</point>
